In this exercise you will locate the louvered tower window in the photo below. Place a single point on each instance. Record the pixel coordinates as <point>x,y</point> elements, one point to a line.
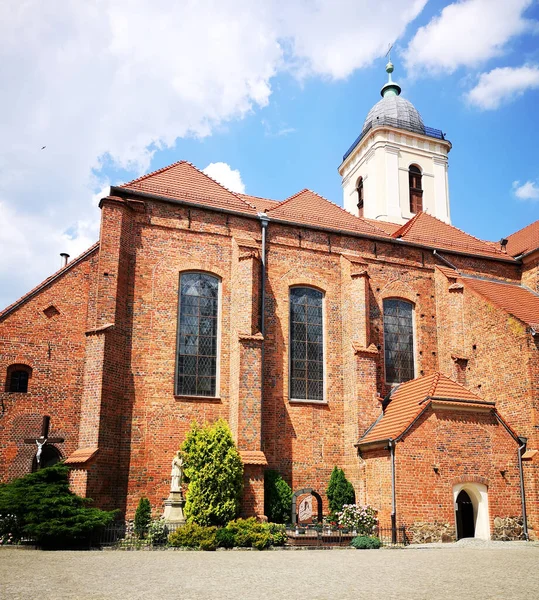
<point>398,340</point>
<point>360,197</point>
<point>306,344</point>
<point>416,189</point>
<point>197,335</point>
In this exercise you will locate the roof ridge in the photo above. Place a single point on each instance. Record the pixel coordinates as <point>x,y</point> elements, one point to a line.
<point>522,229</point>
<point>286,200</point>
<point>259,198</point>
<point>434,385</point>
<point>48,280</point>
<point>406,226</point>
<point>161,170</point>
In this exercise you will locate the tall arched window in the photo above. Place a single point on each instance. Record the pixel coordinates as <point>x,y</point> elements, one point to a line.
<point>398,340</point>
<point>360,196</point>
<point>306,344</point>
<point>416,190</point>
<point>196,365</point>
<point>17,378</point>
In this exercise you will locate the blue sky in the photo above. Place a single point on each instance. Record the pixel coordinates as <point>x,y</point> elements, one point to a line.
<point>276,90</point>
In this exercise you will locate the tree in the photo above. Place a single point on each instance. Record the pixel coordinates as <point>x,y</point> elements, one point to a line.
<point>214,470</point>
<point>340,491</point>
<point>47,511</point>
<point>143,517</point>
<point>277,497</point>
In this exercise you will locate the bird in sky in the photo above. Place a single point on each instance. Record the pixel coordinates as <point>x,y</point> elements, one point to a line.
<point>43,147</point>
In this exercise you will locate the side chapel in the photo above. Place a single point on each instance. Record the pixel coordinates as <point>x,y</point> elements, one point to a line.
<point>378,337</point>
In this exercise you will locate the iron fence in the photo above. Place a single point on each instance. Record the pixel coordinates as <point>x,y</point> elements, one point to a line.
<point>317,535</point>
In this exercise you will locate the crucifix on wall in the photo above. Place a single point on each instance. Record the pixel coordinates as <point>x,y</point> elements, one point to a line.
<point>42,444</point>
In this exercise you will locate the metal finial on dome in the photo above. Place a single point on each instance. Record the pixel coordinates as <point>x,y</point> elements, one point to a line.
<point>390,88</point>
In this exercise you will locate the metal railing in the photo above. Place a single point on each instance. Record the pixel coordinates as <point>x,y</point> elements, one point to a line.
<point>398,124</point>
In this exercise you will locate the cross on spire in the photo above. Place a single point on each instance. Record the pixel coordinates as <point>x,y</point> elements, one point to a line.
<point>43,439</point>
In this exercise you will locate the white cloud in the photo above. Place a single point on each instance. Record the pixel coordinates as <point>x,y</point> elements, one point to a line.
<point>467,33</point>
<point>502,85</point>
<point>526,191</point>
<point>111,81</point>
<point>225,175</point>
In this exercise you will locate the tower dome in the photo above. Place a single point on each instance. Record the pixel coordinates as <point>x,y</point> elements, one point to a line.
<point>394,110</point>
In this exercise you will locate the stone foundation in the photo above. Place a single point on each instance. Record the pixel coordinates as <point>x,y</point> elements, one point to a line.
<point>427,533</point>
<point>508,528</point>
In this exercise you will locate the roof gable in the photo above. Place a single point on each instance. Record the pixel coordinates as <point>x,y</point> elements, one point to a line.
<point>410,399</point>
<point>183,181</point>
<point>310,208</point>
<point>430,231</point>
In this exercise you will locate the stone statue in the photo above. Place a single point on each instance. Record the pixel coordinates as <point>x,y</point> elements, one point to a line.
<point>40,445</point>
<point>176,473</point>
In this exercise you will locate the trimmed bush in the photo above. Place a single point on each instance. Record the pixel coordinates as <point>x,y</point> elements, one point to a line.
<point>366,542</point>
<point>340,491</point>
<point>277,497</point>
<point>225,538</point>
<point>143,517</point>
<point>46,510</point>
<point>214,470</point>
<point>192,535</point>
<point>249,533</point>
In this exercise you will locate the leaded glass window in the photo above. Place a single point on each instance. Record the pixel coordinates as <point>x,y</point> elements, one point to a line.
<point>398,340</point>
<point>197,335</point>
<point>18,381</point>
<point>306,344</point>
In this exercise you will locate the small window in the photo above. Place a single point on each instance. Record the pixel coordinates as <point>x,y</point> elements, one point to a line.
<point>17,378</point>
<point>360,197</point>
<point>398,340</point>
<point>416,190</point>
<point>306,344</point>
<point>196,365</point>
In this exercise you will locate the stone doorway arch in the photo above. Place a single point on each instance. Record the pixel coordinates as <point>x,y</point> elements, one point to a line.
<point>471,510</point>
<point>304,492</point>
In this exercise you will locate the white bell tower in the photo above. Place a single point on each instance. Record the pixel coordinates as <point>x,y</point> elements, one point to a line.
<point>397,166</point>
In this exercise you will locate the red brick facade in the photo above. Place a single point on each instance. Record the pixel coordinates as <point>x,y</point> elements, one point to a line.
<point>104,367</point>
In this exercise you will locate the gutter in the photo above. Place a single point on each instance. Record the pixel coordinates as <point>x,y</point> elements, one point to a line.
<point>264,220</point>
<point>368,236</point>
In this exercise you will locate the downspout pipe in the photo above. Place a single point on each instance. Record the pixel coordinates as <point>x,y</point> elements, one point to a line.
<point>443,259</point>
<point>523,441</point>
<point>264,220</point>
<point>391,444</point>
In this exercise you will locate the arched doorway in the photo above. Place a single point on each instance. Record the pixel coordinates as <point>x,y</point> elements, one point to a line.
<point>49,457</point>
<point>465,516</point>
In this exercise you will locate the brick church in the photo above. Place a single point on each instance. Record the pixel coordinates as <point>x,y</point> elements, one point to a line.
<point>376,337</point>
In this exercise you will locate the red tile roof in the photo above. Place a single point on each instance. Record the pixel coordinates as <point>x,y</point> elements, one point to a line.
<point>518,301</point>
<point>430,231</point>
<point>523,241</point>
<point>410,399</point>
<point>253,457</point>
<point>183,181</point>
<point>81,456</point>
<point>308,207</point>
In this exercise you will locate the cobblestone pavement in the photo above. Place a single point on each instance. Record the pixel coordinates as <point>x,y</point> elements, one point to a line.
<point>472,570</point>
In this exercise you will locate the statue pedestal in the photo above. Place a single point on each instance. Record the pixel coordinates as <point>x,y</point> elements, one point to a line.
<point>174,508</point>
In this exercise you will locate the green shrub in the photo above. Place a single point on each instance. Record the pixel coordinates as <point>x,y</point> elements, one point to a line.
<point>250,533</point>
<point>46,510</point>
<point>214,470</point>
<point>192,535</point>
<point>278,534</point>
<point>366,542</point>
<point>225,538</point>
<point>277,497</point>
<point>143,517</point>
<point>158,533</point>
<point>340,491</point>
